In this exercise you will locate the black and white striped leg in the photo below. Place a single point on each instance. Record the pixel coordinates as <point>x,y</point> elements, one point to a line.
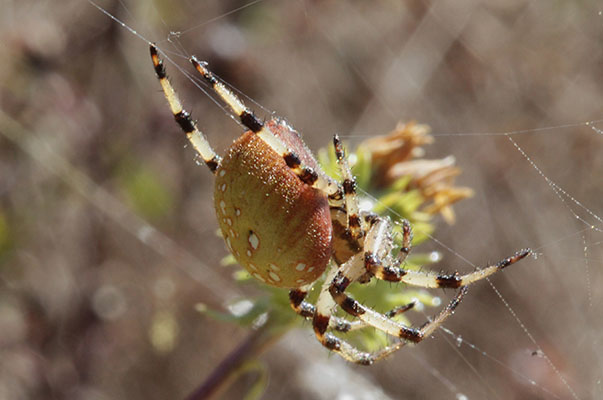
<point>406,241</point>
<point>183,118</point>
<point>343,325</point>
<point>307,310</point>
<point>298,304</point>
<point>354,222</point>
<point>321,323</point>
<point>349,273</point>
<point>330,297</point>
<point>388,270</point>
<point>255,125</point>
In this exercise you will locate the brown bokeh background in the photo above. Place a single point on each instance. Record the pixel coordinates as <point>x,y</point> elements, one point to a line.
<point>107,232</point>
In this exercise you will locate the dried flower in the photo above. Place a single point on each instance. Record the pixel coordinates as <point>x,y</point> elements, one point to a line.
<point>398,155</point>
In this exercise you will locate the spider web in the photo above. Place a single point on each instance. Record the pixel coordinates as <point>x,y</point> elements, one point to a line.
<point>512,91</point>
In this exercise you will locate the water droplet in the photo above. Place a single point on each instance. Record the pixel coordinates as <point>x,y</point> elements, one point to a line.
<point>435,256</point>
<point>365,204</point>
<point>419,306</point>
<point>459,341</point>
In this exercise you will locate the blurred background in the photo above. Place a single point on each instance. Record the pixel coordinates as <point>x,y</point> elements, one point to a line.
<point>108,240</point>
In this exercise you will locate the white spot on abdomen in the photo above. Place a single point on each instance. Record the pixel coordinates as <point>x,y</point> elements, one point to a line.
<point>274,267</point>
<point>223,206</point>
<point>275,277</point>
<point>254,240</point>
<point>300,267</point>
<point>228,244</point>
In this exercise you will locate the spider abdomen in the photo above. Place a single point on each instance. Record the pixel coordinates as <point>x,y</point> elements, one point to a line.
<point>276,226</point>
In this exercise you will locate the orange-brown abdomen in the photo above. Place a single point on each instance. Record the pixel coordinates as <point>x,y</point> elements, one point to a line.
<point>276,226</point>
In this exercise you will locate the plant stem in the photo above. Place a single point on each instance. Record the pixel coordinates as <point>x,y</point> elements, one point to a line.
<point>234,364</point>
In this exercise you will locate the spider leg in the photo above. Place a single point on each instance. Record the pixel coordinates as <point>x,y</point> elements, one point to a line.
<point>343,325</point>
<point>307,310</point>
<point>349,273</point>
<point>406,241</point>
<point>351,270</point>
<point>375,264</point>
<point>255,125</point>
<point>183,118</point>
<point>321,323</point>
<point>354,222</point>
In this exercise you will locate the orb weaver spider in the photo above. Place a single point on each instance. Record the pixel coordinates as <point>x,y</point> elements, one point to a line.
<point>286,222</point>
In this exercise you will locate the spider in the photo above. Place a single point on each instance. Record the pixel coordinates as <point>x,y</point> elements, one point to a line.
<point>286,222</point>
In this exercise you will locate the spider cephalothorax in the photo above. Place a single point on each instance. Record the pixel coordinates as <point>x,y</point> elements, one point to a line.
<point>287,222</point>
